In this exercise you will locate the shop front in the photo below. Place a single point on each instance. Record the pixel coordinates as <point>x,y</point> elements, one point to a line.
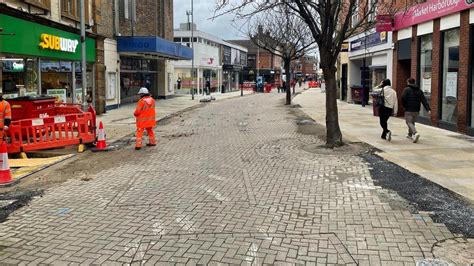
<point>370,62</point>
<point>440,46</point>
<point>40,60</point>
<point>144,62</point>
<point>233,62</point>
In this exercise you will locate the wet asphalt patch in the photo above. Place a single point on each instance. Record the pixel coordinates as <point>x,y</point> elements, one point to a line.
<point>11,201</point>
<point>422,195</point>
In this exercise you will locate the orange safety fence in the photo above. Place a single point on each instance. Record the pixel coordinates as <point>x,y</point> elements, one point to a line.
<point>70,126</point>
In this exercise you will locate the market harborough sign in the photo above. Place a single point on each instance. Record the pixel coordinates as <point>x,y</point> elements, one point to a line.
<point>430,10</point>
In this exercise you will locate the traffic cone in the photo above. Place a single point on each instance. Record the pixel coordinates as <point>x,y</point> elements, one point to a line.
<point>5,174</point>
<point>101,145</point>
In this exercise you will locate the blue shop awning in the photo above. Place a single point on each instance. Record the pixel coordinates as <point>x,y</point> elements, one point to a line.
<point>153,46</point>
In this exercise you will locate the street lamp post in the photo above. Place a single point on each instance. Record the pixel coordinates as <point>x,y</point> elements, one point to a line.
<point>192,47</point>
<point>83,56</point>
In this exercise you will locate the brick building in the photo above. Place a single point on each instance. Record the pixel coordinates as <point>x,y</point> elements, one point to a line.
<point>128,45</point>
<point>434,44</point>
<point>146,48</point>
<point>305,67</point>
<point>269,66</point>
<point>40,51</point>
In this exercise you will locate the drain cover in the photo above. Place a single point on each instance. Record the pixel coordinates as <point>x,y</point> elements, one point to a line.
<point>432,262</point>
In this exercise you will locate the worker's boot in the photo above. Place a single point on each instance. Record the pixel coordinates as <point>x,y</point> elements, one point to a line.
<point>138,144</point>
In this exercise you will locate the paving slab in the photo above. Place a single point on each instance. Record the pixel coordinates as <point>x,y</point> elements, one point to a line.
<point>442,156</point>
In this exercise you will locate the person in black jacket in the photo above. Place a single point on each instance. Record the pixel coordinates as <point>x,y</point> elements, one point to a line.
<point>412,98</point>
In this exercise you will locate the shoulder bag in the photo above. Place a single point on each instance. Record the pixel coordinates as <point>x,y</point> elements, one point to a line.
<point>380,99</point>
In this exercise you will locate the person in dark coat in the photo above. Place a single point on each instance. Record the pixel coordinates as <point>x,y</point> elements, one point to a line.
<point>412,98</point>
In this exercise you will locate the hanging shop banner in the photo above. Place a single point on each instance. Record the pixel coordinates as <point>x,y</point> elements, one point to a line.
<point>345,47</point>
<point>383,23</point>
<point>32,39</point>
<point>235,56</point>
<point>429,10</point>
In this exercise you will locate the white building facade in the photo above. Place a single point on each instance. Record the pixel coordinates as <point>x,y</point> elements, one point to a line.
<point>370,61</point>
<point>208,61</point>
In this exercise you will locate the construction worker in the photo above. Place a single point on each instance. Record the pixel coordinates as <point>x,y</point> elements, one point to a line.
<point>5,116</point>
<point>146,118</point>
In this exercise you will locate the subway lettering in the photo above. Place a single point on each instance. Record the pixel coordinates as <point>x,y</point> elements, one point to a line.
<point>52,42</point>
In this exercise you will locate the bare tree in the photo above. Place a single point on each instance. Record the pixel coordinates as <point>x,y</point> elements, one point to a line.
<point>330,23</point>
<point>282,35</point>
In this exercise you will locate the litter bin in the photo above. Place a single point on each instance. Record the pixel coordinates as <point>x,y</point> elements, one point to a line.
<point>357,93</point>
<point>32,107</point>
<point>268,88</point>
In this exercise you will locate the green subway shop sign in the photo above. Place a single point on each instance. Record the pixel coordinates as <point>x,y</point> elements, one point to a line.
<point>23,37</point>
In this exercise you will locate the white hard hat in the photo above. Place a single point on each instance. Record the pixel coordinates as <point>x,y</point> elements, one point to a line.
<point>143,90</point>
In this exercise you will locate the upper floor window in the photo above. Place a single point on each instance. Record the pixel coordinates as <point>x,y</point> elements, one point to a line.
<point>372,9</point>
<point>72,9</point>
<point>45,4</point>
<point>355,14</point>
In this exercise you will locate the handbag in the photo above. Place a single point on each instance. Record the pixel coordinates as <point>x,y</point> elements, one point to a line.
<point>380,99</point>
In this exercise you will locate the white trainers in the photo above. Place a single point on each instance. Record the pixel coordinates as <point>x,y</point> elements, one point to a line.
<point>409,137</point>
<point>416,137</point>
<point>389,136</point>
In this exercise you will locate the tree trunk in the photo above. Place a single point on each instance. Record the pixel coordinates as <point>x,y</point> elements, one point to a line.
<point>287,63</point>
<point>333,132</point>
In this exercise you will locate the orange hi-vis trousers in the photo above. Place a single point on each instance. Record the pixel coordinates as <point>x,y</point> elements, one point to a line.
<point>151,136</point>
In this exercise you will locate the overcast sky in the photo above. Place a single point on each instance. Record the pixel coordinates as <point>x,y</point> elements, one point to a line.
<point>203,10</point>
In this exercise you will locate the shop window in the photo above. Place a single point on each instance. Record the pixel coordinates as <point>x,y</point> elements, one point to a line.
<point>425,68</point>
<point>45,4</point>
<point>72,9</point>
<point>19,76</point>
<point>177,39</point>
<point>450,75</point>
<point>355,15</point>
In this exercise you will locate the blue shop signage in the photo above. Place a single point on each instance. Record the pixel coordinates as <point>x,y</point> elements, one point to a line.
<point>153,45</point>
<point>368,41</point>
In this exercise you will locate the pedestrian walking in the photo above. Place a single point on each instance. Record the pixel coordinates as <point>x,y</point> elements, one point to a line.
<point>293,84</point>
<point>5,116</point>
<point>389,107</point>
<point>412,98</point>
<point>145,117</point>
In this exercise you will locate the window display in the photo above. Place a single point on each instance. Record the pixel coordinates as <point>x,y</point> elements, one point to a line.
<point>425,52</point>
<point>450,75</point>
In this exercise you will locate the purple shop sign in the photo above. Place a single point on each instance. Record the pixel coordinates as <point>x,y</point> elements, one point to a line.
<point>428,11</point>
<point>368,41</point>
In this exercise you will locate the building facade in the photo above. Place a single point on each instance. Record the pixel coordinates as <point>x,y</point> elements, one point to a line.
<point>146,48</point>
<point>129,45</point>
<point>369,56</point>
<point>217,63</point>
<point>260,63</point>
<point>434,44</point>
<point>40,50</point>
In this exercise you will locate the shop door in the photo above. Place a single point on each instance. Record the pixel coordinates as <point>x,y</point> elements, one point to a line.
<point>344,82</point>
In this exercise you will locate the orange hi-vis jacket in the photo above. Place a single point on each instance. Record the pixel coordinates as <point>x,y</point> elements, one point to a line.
<point>145,112</point>
<point>5,113</point>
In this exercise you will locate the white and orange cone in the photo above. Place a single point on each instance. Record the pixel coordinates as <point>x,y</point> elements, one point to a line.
<point>101,145</point>
<point>5,174</point>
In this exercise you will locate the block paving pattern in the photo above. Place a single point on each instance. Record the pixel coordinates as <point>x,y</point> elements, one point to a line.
<point>228,183</point>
